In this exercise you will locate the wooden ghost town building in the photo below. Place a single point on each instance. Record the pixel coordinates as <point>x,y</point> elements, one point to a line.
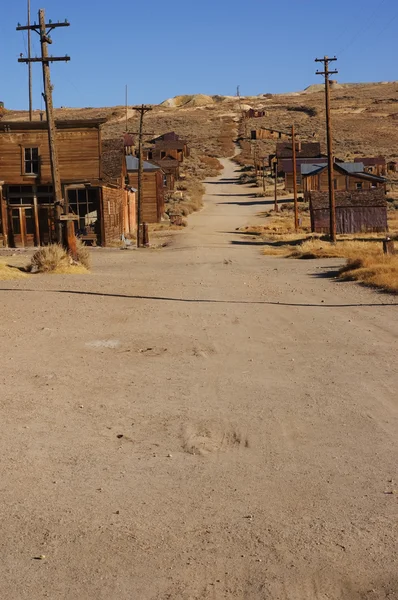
<point>99,180</point>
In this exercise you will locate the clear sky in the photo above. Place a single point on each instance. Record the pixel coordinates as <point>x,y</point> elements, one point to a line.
<point>161,49</point>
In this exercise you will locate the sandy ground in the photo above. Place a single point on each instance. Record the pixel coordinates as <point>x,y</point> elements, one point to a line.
<point>198,422</point>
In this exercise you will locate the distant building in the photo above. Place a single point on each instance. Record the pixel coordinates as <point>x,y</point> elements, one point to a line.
<point>252,113</point>
<point>152,208</point>
<point>265,133</point>
<point>375,165</point>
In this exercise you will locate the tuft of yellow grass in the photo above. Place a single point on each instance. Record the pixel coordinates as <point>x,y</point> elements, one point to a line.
<point>352,249</point>
<point>55,260</point>
<point>8,273</point>
<point>373,270</point>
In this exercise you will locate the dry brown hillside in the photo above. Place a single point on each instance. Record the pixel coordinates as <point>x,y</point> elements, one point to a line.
<point>365,119</point>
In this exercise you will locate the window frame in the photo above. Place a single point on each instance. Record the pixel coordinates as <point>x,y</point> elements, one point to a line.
<point>25,147</point>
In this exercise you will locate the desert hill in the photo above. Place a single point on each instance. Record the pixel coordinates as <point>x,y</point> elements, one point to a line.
<point>365,118</point>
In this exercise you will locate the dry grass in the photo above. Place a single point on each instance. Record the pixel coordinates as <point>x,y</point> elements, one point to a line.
<point>375,270</point>
<point>83,254</point>
<point>366,261</point>
<point>8,273</point>
<point>351,249</point>
<point>213,165</point>
<point>54,259</point>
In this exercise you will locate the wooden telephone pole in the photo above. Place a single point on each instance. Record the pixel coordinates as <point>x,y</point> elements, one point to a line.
<point>44,30</point>
<point>296,218</point>
<point>142,110</point>
<point>276,207</point>
<point>30,66</point>
<point>332,204</point>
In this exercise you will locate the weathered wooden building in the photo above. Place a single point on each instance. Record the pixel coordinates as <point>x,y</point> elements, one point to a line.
<point>286,167</point>
<point>376,165</point>
<point>346,177</point>
<point>152,208</point>
<point>303,150</point>
<point>253,113</point>
<point>361,205</point>
<point>168,145</point>
<point>26,194</point>
<point>268,134</point>
<point>171,169</point>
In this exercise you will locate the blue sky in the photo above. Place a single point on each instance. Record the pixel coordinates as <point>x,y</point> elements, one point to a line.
<point>161,49</point>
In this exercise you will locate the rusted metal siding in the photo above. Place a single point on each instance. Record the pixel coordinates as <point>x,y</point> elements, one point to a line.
<point>356,212</point>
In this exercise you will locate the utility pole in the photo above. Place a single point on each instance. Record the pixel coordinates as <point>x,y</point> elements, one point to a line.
<point>296,218</point>
<point>264,175</point>
<point>142,110</point>
<point>30,65</point>
<point>276,207</point>
<point>332,204</point>
<point>44,30</point>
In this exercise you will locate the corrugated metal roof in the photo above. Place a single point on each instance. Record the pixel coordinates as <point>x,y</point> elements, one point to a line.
<point>356,167</point>
<point>312,169</point>
<point>132,164</point>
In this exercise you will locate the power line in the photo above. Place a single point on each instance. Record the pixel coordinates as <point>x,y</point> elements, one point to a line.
<point>360,30</point>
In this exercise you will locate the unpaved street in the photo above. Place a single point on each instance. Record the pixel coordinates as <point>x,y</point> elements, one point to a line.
<point>198,422</point>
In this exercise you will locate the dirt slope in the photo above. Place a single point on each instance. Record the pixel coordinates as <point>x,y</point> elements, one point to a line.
<point>364,119</point>
<point>198,423</point>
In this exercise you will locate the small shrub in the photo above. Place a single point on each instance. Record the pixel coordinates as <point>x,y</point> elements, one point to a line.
<point>50,258</point>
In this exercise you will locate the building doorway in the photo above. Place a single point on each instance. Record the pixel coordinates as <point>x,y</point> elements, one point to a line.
<point>22,226</point>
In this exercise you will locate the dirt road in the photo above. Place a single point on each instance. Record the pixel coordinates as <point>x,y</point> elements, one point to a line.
<point>198,422</point>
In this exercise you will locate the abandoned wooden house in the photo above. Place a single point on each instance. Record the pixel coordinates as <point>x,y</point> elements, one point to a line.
<point>303,150</point>
<point>168,145</point>
<point>152,188</point>
<point>286,167</point>
<point>268,134</point>
<point>346,177</point>
<point>375,165</point>
<point>361,205</point>
<point>252,113</point>
<point>96,197</point>
<point>284,156</point>
<point>171,169</point>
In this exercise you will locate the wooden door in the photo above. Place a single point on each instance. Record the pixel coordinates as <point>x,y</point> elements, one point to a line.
<point>22,226</point>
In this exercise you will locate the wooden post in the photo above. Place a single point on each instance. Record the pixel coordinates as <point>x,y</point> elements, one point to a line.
<point>30,66</point>
<point>332,203</point>
<point>388,246</point>
<point>264,175</point>
<point>48,95</point>
<point>296,217</point>
<point>276,207</point>
<point>142,110</point>
<point>45,60</point>
<point>4,218</point>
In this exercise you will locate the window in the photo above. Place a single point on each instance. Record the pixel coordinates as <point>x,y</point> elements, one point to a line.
<point>31,161</point>
<point>359,186</point>
<point>162,154</point>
